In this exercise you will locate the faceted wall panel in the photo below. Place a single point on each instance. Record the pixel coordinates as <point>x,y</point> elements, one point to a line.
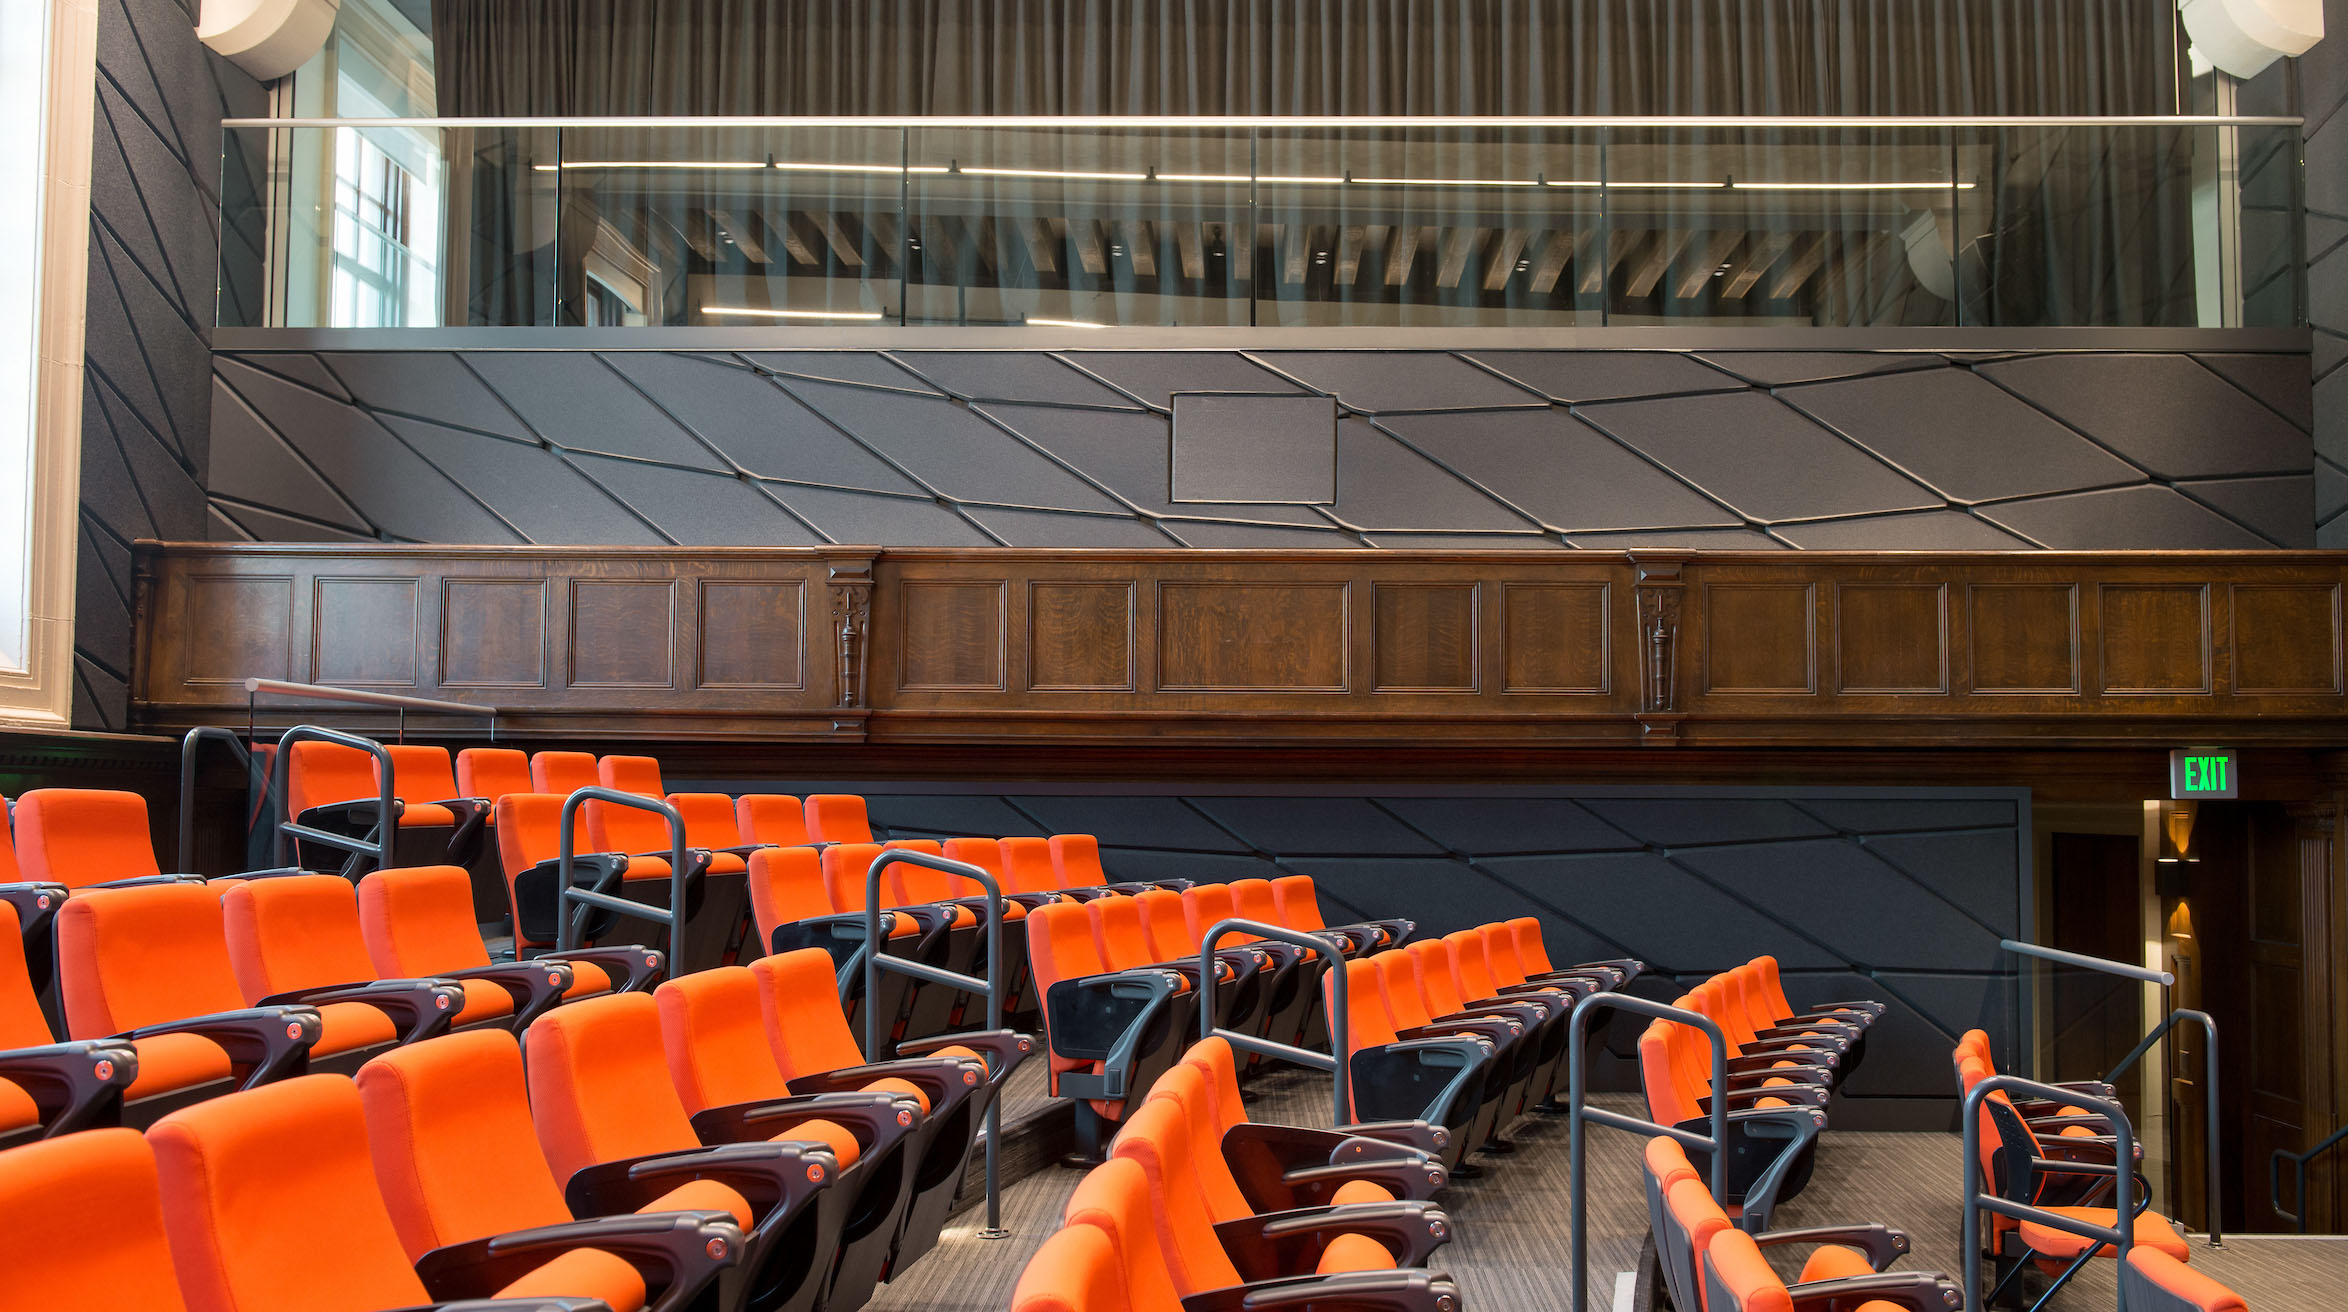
<point>1529,449</point>
<point>1691,881</point>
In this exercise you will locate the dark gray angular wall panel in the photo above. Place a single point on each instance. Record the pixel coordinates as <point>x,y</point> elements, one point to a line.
<point>1859,450</point>
<point>154,245</point>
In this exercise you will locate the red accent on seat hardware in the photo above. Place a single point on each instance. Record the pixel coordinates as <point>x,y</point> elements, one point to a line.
<point>969,1077</point>
<point>717,1249</point>
<point>105,1070</point>
<point>293,1029</point>
<point>815,1173</point>
<point>440,1002</point>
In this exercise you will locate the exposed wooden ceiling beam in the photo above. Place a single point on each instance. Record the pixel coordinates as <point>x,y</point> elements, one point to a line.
<point>1760,253</point>
<point>1190,251</point>
<point>744,230</point>
<point>1556,253</point>
<point>835,235</point>
<point>1669,242</point>
<point>1807,253</point>
<point>937,246</point>
<point>1501,266</point>
<point>1598,267</point>
<point>1714,253</point>
<point>1141,246</point>
<point>1457,246</point>
<point>1043,251</point>
<point>1349,254</point>
<point>1296,242</point>
<point>887,241</point>
<point>700,233</point>
<point>1403,251</point>
<point>1091,252</point>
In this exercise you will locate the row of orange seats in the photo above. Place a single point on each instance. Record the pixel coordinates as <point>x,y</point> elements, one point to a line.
<point>1197,1206</point>
<point>1469,1031</point>
<point>718,1144</point>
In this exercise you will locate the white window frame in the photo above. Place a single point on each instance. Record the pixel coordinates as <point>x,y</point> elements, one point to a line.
<point>41,694</point>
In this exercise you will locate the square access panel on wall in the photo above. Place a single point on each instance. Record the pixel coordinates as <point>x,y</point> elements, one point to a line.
<point>1230,447</point>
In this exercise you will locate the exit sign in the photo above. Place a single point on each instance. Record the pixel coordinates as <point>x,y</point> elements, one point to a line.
<point>2199,772</point>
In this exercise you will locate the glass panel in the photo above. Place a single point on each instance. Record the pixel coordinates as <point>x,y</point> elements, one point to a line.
<point>1834,227</point>
<point>718,226</point>
<point>1087,228</point>
<point>1454,226</point>
<point>24,114</point>
<point>2086,226</point>
<point>2273,237</point>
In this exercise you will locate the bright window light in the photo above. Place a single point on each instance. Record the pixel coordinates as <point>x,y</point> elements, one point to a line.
<point>759,312</point>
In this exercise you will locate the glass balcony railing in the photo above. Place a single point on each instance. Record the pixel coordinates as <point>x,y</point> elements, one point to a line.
<point>1119,223</point>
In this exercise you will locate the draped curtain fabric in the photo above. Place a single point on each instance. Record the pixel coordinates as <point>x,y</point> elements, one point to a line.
<point>900,57</point>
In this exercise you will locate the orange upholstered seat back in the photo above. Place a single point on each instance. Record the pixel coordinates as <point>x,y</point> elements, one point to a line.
<point>1529,949</point>
<point>83,836</point>
<point>799,1004</point>
<point>1736,1263</point>
<point>1060,944</point>
<point>492,772</point>
<point>419,921</point>
<point>844,869</point>
<point>128,957</point>
<point>1299,908</point>
<point>1114,1202</point>
<point>599,1084</point>
<point>418,773</point>
<point>614,828</point>
<point>709,820</point>
<point>529,830</point>
<point>837,818</point>
<point>630,774</point>
<point>1214,1060</point>
<point>81,1225</point>
<point>1368,1023</point>
<point>1436,984</point>
<point>1254,900</point>
<point>1206,905</point>
<point>1169,929</point>
<point>714,1031</point>
<point>294,932</point>
<point>786,886</point>
<point>1118,932</point>
<point>1076,861</point>
<point>321,774</point>
<point>1027,866</point>
<point>21,1023</point>
<point>563,773</point>
<point>243,1174</point>
<point>448,1125</point>
<point>775,818</point>
<point>9,873</point>
<point>2152,1275</point>
<point>1468,964</point>
<point>1157,1139</point>
<point>1076,1270</point>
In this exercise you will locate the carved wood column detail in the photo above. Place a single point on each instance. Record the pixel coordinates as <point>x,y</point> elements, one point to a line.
<point>850,585</point>
<point>1658,587</point>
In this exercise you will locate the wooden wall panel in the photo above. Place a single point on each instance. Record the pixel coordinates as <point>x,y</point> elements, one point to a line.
<point>1472,651</point>
<point>1256,636</point>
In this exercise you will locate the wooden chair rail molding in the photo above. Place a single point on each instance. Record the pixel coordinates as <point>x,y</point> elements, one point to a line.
<point>1408,649</point>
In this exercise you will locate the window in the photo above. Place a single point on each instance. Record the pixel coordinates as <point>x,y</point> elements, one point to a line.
<point>372,235</point>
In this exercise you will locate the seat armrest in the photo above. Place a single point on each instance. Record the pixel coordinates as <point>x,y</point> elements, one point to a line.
<point>878,1120</point>
<point>1352,1291</point>
<point>1916,1291</point>
<point>35,903</point>
<point>1003,1049</point>
<point>1755,1075</point>
<point>533,985</point>
<point>1284,1243</point>
<point>637,968</point>
<point>354,813</point>
<point>942,1081</point>
<point>1279,1167</point>
<point>422,1008</point>
<point>776,1179</point>
<point>1499,1031</point>
<point>1766,1059</point>
<point>512,1305</point>
<point>149,881</point>
<point>76,1086</point>
<point>1811,1095</point>
<point>1426,1138</point>
<point>267,1043</point>
<point>1100,1017</point>
<point>679,1254</point>
<point>1416,1179</point>
<point>1882,1244</point>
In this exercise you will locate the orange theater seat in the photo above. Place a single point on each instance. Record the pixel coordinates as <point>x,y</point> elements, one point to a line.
<point>602,1097</point>
<point>102,1184</point>
<point>417,921</point>
<point>630,774</point>
<point>1111,1034</point>
<point>771,819</point>
<point>240,1173</point>
<point>49,1088</point>
<point>1027,866</point>
<point>424,778</point>
<point>1450,1081</point>
<point>1351,1175</point>
<point>1774,1116</point>
<point>563,773</point>
<point>1738,1278</point>
<point>710,822</point>
<point>335,786</point>
<point>1280,1166</point>
<point>837,818</point>
<point>492,772</point>
<point>81,837</point>
<point>1300,908</point>
<point>529,840</point>
<point>2156,1282</point>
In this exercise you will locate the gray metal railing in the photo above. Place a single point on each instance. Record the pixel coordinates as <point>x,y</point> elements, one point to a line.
<point>1577,1104</point>
<point>876,961</point>
<point>255,688</point>
<point>386,806</point>
<point>2299,1161</point>
<point>2211,1185</point>
<point>190,751</point>
<point>1340,1026</point>
<point>1978,1199</point>
<point>573,923</point>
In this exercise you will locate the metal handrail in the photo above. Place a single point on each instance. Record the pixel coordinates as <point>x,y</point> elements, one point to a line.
<point>1577,1103</point>
<point>2209,1088</point>
<point>2080,959</point>
<point>190,749</point>
<point>2299,1161</point>
<point>573,924</point>
<point>325,692</point>
<point>1430,123</point>
<point>876,961</point>
<point>1978,1200</point>
<point>386,816</point>
<point>1340,1020</point>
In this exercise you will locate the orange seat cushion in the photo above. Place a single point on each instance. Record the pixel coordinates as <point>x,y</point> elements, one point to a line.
<point>1835,1262</point>
<point>2175,1278</point>
<point>349,1025</point>
<point>583,1273</point>
<point>484,1001</point>
<point>177,1061</point>
<point>958,1053</point>
<point>1361,1191</point>
<point>826,1134</point>
<point>587,978</point>
<point>2152,1231</point>
<point>1354,1253</point>
<point>904,1088</point>
<point>703,1196</point>
<point>17,1108</point>
<point>426,815</point>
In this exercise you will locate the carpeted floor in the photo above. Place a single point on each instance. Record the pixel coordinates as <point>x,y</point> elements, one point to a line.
<point>1513,1248</point>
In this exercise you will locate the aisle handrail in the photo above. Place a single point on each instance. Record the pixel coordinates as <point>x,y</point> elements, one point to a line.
<point>2080,959</point>
<point>1577,1104</point>
<point>1335,1060</point>
<point>572,924</point>
<point>2299,1161</point>
<point>1978,1199</point>
<point>876,961</point>
<point>387,808</point>
<point>326,692</point>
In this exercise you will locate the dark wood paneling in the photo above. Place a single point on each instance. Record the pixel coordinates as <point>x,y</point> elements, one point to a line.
<point>1554,637</point>
<point>1265,636</point>
<point>365,633</point>
<point>1891,637</point>
<point>1080,636</point>
<point>2286,638</point>
<point>623,634</point>
<point>2025,637</point>
<point>753,634</point>
<point>1760,638</point>
<point>1425,637</point>
<point>953,635</point>
<point>493,633</point>
<point>2156,637</point>
<point>1499,653</point>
